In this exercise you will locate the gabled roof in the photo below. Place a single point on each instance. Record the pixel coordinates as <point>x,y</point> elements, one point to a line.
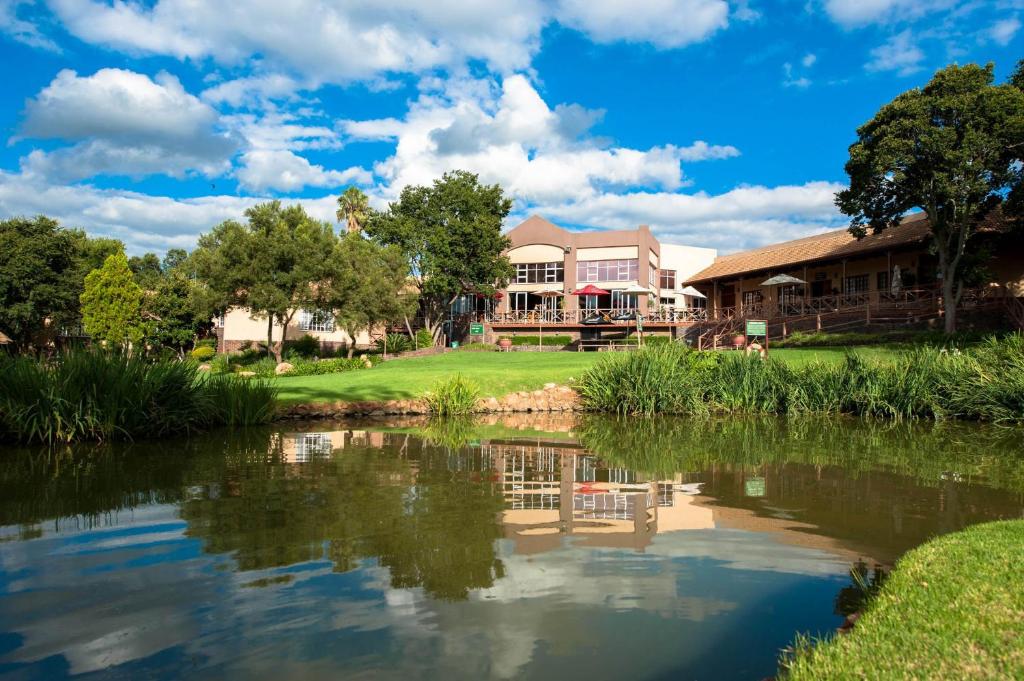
<point>838,243</point>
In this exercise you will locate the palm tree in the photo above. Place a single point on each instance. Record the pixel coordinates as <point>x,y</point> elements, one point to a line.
<point>352,209</point>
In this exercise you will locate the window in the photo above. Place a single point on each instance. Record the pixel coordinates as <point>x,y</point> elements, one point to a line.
<point>858,283</point>
<point>607,270</point>
<point>219,321</point>
<point>666,301</point>
<point>751,298</point>
<point>667,279</point>
<point>882,281</point>
<point>652,275</point>
<point>540,272</point>
<point>316,320</point>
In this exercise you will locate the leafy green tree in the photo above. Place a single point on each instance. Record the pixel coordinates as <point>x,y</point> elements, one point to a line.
<point>178,311</point>
<point>353,209</point>
<point>112,304</point>
<point>949,149</point>
<point>366,286</point>
<point>147,270</point>
<point>451,235</point>
<point>273,265</point>
<point>37,263</point>
<point>175,258</point>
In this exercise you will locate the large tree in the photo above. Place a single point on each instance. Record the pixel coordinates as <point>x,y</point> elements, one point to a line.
<point>451,235</point>
<point>112,304</point>
<point>949,149</point>
<point>273,265</point>
<point>365,289</point>
<point>37,262</point>
<point>177,310</point>
<point>353,209</point>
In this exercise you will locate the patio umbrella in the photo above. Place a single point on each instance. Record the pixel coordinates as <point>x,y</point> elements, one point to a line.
<point>590,290</point>
<point>545,294</point>
<point>691,291</point>
<point>636,290</point>
<point>782,280</point>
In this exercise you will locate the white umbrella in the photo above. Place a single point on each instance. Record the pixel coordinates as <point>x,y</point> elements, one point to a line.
<point>691,291</point>
<point>782,279</point>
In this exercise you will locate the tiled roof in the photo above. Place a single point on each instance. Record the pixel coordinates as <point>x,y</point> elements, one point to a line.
<point>828,246</point>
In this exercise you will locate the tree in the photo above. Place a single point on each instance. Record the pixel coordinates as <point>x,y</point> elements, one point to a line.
<point>37,263</point>
<point>353,208</point>
<point>451,235</point>
<point>147,270</point>
<point>178,312</point>
<point>176,257</point>
<point>366,286</point>
<point>112,304</point>
<point>948,149</point>
<point>273,265</point>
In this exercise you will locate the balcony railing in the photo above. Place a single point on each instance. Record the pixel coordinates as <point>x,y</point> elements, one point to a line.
<point>596,316</point>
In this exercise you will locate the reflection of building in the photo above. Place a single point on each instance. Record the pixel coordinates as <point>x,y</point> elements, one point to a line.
<point>556,490</point>
<point>306,447</point>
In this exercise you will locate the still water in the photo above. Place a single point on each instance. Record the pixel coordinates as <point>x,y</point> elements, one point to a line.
<point>523,549</point>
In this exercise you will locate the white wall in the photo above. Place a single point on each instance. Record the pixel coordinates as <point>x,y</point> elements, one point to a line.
<point>686,261</point>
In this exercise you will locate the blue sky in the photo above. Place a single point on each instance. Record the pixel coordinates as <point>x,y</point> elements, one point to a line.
<point>719,123</point>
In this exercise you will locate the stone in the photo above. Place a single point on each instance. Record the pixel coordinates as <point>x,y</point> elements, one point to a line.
<point>203,367</point>
<point>549,386</point>
<point>246,374</point>
<point>283,368</point>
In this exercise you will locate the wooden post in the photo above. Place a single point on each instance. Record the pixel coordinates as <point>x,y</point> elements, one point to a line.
<point>817,322</point>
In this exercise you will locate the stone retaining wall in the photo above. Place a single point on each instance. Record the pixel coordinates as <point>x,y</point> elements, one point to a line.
<point>551,398</point>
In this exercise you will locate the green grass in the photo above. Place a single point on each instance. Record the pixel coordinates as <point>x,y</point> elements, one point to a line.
<point>495,373</point>
<point>797,357</point>
<point>951,609</point>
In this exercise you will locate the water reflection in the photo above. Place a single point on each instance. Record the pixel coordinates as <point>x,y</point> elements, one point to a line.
<point>528,549</point>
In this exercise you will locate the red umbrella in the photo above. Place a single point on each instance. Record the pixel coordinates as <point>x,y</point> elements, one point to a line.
<point>590,290</point>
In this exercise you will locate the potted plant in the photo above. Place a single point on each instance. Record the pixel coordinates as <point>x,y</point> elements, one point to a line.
<point>739,340</point>
<point>505,343</point>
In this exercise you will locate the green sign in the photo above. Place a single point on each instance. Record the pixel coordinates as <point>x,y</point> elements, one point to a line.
<point>756,327</point>
<point>476,329</point>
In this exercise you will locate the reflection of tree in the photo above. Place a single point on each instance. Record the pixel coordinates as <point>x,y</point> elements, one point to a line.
<point>864,586</point>
<point>419,516</point>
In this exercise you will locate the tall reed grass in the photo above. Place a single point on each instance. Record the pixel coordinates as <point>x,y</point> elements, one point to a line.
<point>453,396</point>
<point>984,382</point>
<point>90,394</point>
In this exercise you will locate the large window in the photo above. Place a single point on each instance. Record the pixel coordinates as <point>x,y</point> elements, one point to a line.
<point>882,281</point>
<point>652,275</point>
<point>607,270</point>
<point>309,446</point>
<point>858,283</point>
<point>540,272</point>
<point>667,279</point>
<point>316,320</point>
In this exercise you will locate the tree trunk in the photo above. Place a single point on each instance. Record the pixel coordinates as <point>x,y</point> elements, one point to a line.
<point>270,335</point>
<point>279,348</point>
<point>351,347</point>
<point>949,302</point>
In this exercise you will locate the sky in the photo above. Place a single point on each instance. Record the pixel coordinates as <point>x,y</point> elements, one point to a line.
<point>719,123</point>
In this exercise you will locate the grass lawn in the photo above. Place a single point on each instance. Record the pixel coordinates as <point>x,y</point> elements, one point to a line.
<point>496,373</point>
<point>952,609</point>
<point>800,356</point>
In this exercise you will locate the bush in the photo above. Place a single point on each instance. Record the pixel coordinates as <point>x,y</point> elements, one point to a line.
<point>396,342</point>
<point>657,340</point>
<point>306,347</point>
<point>242,402</point>
<point>985,382</point>
<point>207,343</point>
<point>554,340</point>
<point>453,396</point>
<point>478,347</point>
<point>203,353</point>
<point>424,339</point>
<point>334,365</point>
<point>95,395</point>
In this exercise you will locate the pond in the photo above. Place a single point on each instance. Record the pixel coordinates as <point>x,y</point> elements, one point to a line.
<point>531,548</point>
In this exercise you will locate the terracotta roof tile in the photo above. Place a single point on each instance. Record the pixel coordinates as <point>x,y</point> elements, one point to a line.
<point>835,244</point>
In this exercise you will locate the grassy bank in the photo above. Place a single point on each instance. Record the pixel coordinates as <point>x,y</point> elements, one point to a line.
<point>494,373</point>
<point>97,395</point>
<point>985,382</point>
<point>951,609</point>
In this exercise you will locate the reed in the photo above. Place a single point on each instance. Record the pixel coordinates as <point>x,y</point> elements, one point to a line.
<point>985,382</point>
<point>90,394</point>
<point>453,396</point>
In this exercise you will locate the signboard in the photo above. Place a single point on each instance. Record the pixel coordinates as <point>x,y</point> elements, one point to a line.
<point>754,487</point>
<point>757,327</point>
<point>476,329</point>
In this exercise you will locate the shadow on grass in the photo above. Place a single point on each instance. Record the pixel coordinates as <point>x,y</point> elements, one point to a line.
<point>376,393</point>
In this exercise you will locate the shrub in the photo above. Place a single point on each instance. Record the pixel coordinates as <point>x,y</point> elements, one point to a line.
<point>308,346</point>
<point>657,340</point>
<point>396,342</point>
<point>207,343</point>
<point>453,396</point>
<point>554,340</point>
<point>334,365</point>
<point>424,339</point>
<point>241,402</point>
<point>95,395</point>
<point>478,347</point>
<point>203,353</point>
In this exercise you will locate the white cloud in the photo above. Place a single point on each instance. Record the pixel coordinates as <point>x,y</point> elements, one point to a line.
<point>124,123</point>
<point>1003,31</point>
<point>321,40</point>
<point>251,90</point>
<point>809,59</point>
<point>264,169</point>
<point>664,23</point>
<point>791,79</point>
<point>855,13</point>
<point>900,54</point>
<point>20,29</point>
<point>508,134</point>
